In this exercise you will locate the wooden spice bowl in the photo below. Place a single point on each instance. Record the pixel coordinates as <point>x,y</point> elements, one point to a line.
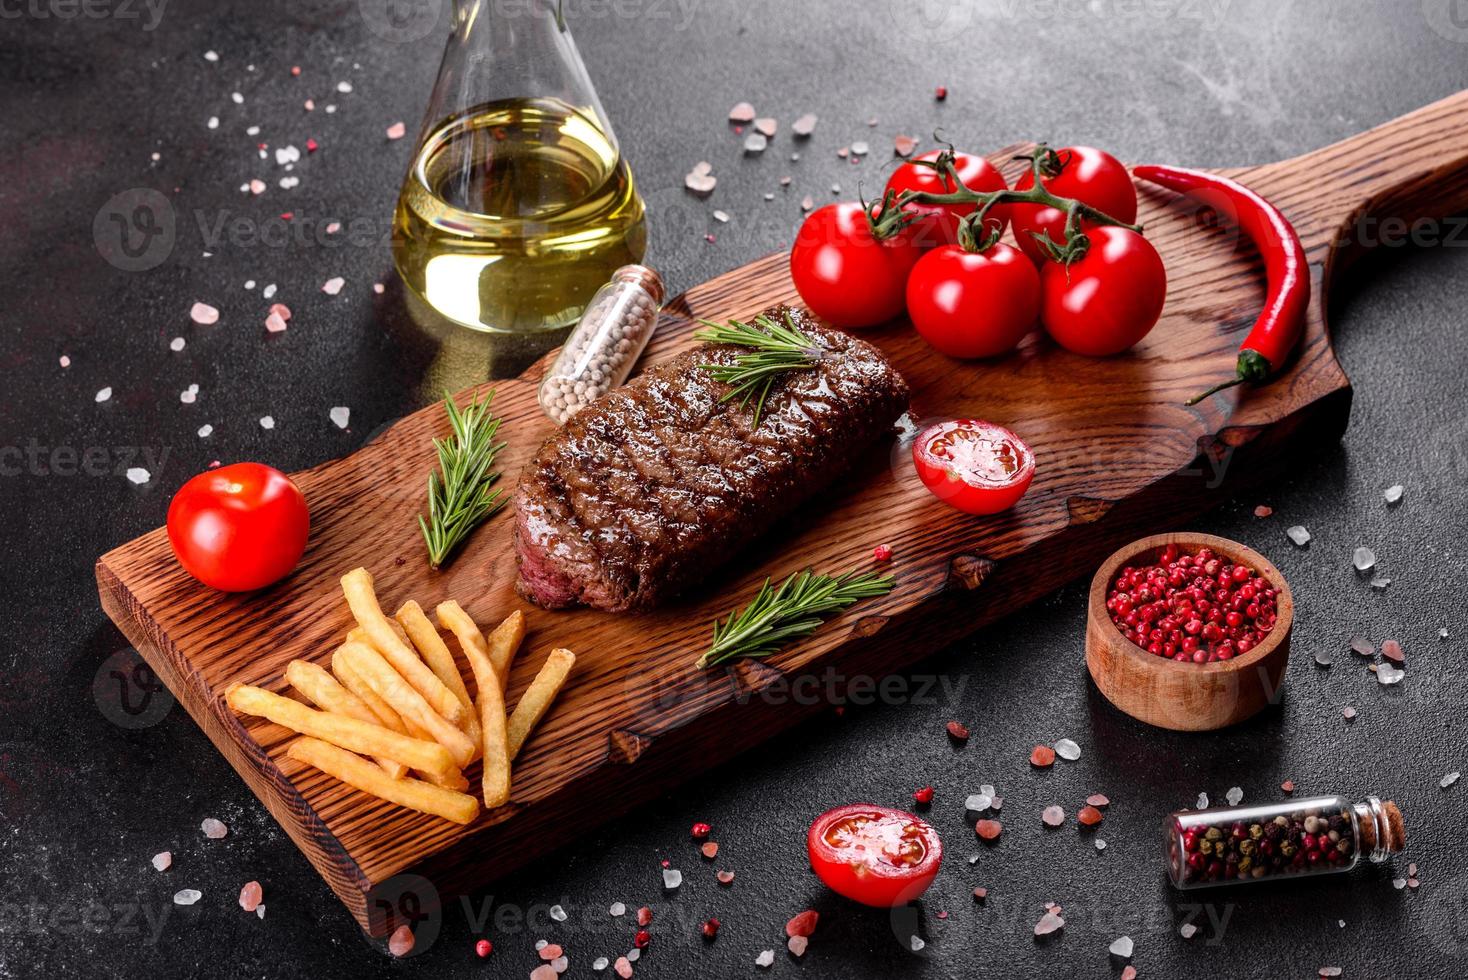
<point>1186,697</point>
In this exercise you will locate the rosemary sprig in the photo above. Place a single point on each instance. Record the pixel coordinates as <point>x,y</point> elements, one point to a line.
<point>788,613</point>
<point>459,494</point>
<point>774,349</point>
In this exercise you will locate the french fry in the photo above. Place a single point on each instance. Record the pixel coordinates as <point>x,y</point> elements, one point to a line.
<point>499,648</point>
<point>342,730</point>
<point>373,668</point>
<point>386,716</point>
<point>436,654</point>
<point>496,783</point>
<point>536,700</point>
<point>326,692</point>
<point>387,638</point>
<point>411,793</point>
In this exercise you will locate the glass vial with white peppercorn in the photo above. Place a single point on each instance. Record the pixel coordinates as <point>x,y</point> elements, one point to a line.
<point>601,351</point>
<point>1293,838</point>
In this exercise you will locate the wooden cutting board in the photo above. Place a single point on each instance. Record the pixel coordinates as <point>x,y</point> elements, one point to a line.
<point>1118,455</point>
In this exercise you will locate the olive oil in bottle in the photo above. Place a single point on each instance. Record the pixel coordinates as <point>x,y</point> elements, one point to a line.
<point>514,213</point>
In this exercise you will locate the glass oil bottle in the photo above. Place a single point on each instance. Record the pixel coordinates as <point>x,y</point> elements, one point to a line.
<point>518,204</point>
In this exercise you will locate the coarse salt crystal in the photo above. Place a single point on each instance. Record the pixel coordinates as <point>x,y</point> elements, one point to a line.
<point>213,122</point>
<point>275,323</point>
<point>1100,844</point>
<point>1387,674</point>
<point>797,945</point>
<point>237,98</point>
<point>344,87</point>
<point>1202,802</point>
<point>1363,558</point>
<point>396,131</point>
<point>203,314</point>
<point>213,829</point>
<point>187,896</point>
<point>250,896</point>
<point>1393,493</point>
<point>138,475</point>
<point>623,966</point>
<point>756,143</point>
<point>1049,922</point>
<point>1234,795</point>
<point>1363,647</point>
<point>1187,930</point>
<point>267,422</point>
<point>65,361</point>
<point>600,963</point>
<point>287,154</point>
<point>1348,713</point>
<point>205,431</point>
<point>1053,816</point>
<point>288,183</point>
<point>805,125</point>
<point>742,112</point>
<point>162,861</point>
<point>1298,535</point>
<point>341,415</point>
<point>1121,946</point>
<point>176,344</point>
<point>767,125</point>
<point>1449,779</point>
<point>103,395</point>
<point>918,944</point>
<point>672,878</point>
<point>268,291</point>
<point>333,285</point>
<point>333,227</point>
<point>721,216</point>
<point>257,186</point>
<point>557,913</point>
<point>765,959</point>
<point>1067,750</point>
<point>211,55</point>
<point>400,943</point>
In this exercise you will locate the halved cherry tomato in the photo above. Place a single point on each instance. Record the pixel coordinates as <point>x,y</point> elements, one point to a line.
<point>973,304</point>
<point>239,527</point>
<point>976,466</point>
<point>1108,299</point>
<point>846,276</point>
<point>939,224</point>
<point>1089,175</point>
<point>873,854</point>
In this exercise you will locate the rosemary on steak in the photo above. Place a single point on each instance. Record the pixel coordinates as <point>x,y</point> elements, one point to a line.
<point>460,497</point>
<point>789,612</point>
<point>774,348</point>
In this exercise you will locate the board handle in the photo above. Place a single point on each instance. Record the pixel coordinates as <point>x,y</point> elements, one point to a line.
<point>1388,186</point>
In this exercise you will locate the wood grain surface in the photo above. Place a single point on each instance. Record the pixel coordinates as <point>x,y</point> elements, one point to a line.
<point>1118,455</point>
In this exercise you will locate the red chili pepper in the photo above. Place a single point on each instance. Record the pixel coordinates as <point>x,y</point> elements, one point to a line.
<point>1282,320</point>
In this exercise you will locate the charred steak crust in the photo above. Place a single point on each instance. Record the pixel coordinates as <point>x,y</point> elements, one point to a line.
<point>643,493</point>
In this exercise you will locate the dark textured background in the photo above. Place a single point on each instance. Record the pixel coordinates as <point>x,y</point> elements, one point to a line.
<point>84,101</point>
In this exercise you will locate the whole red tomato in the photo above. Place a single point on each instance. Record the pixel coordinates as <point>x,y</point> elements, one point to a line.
<point>1108,299</point>
<point>939,224</point>
<point>239,527</point>
<point>845,275</point>
<point>873,854</point>
<point>973,304</point>
<point>973,465</point>
<point>1087,174</point>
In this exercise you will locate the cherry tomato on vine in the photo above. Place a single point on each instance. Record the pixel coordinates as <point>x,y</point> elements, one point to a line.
<point>939,224</point>
<point>973,304</point>
<point>975,466</point>
<point>1087,174</point>
<point>239,527</point>
<point>873,854</point>
<point>1108,299</point>
<point>845,275</point>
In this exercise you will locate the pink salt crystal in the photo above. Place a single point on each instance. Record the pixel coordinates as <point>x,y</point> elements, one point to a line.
<point>1348,712</point>
<point>1130,973</point>
<point>275,323</point>
<point>767,125</point>
<point>281,310</point>
<point>250,896</point>
<point>742,112</point>
<point>623,968</point>
<point>310,104</point>
<point>797,945</point>
<point>295,71</point>
<point>213,829</point>
<point>203,314</point>
<point>904,145</point>
<point>333,227</point>
<point>1097,799</point>
<point>396,131</point>
<point>65,361</point>
<point>400,943</point>
<point>710,850</point>
<point>1053,816</point>
<point>257,186</point>
<point>1049,922</point>
<point>1263,510</point>
<point>550,951</point>
<point>1392,650</point>
<point>726,877</point>
<point>333,286</point>
<point>547,972</point>
<point>163,860</point>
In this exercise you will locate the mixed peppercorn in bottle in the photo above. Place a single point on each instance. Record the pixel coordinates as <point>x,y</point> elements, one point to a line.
<point>1319,835</point>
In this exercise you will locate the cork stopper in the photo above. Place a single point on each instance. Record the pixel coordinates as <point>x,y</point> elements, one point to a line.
<point>1394,829</point>
<point>641,275</point>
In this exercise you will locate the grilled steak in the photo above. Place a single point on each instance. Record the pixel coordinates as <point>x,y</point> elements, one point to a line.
<point>641,494</point>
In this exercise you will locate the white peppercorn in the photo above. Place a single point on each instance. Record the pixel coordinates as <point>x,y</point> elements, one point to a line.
<point>601,351</point>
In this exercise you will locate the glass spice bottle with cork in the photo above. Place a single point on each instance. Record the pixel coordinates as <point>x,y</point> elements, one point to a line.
<point>1293,838</point>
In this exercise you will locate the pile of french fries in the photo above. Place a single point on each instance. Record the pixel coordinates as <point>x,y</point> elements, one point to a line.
<point>394,695</point>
